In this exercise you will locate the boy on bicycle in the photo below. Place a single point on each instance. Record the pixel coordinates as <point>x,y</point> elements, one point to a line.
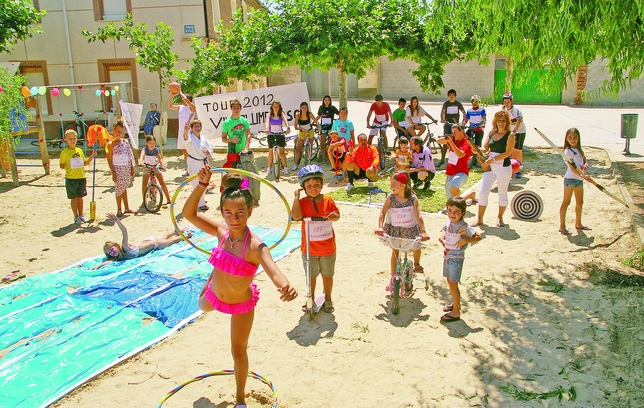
<point>383,116</point>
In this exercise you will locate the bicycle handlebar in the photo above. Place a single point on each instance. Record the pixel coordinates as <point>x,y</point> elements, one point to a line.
<point>400,244</point>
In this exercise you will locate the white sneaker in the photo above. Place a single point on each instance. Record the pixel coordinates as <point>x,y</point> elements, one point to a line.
<point>285,171</point>
<point>78,220</point>
<point>269,170</point>
<point>82,218</point>
<point>349,187</point>
<point>294,167</point>
<point>370,184</point>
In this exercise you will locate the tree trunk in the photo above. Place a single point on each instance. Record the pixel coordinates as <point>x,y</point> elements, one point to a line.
<point>342,85</point>
<point>509,74</point>
<point>160,89</point>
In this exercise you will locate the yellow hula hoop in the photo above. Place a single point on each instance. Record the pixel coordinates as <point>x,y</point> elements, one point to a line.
<point>243,173</point>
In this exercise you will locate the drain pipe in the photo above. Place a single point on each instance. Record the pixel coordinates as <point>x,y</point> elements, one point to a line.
<point>69,51</point>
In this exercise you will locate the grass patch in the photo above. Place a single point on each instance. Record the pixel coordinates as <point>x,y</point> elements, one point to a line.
<point>431,200</point>
<point>523,395</point>
<point>613,279</point>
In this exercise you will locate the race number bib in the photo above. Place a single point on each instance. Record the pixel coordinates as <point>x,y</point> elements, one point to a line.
<point>402,217</point>
<point>416,119</point>
<point>321,230</point>
<point>276,128</point>
<point>451,239</point>
<point>452,110</point>
<point>326,121</point>
<point>453,158</point>
<point>120,160</point>
<point>151,160</point>
<point>76,163</point>
<point>381,118</point>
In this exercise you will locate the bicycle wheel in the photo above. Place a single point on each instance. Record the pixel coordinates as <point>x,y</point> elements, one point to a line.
<point>395,295</point>
<point>408,273</point>
<point>312,150</point>
<point>277,163</point>
<point>153,198</point>
<point>381,152</point>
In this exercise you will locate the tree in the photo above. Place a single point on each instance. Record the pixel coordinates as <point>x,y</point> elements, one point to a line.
<point>12,106</point>
<point>560,35</point>
<point>349,35</point>
<point>16,22</point>
<point>152,48</point>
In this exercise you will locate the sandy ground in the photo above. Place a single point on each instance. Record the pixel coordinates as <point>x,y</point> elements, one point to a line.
<point>514,329</point>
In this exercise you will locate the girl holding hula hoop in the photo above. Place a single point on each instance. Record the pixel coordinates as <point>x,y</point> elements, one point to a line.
<point>230,288</point>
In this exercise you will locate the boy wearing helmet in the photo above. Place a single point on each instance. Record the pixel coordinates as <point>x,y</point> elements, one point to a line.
<point>477,118</point>
<point>517,126</point>
<point>322,236</point>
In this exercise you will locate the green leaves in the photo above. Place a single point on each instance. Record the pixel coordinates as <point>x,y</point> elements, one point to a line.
<point>16,22</point>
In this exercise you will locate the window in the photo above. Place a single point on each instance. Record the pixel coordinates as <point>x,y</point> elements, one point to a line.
<point>36,74</point>
<point>118,70</point>
<point>111,9</point>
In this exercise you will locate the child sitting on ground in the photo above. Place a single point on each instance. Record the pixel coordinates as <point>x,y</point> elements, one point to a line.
<point>73,161</point>
<point>403,155</point>
<point>322,236</point>
<point>456,235</point>
<point>337,152</point>
<point>400,218</point>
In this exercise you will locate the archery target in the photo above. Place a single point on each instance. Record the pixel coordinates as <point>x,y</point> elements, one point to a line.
<point>526,205</point>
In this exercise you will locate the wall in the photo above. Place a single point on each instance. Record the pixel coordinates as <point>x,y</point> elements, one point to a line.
<point>597,73</point>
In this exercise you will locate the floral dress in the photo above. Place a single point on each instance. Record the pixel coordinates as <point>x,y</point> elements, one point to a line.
<point>400,221</point>
<point>123,162</point>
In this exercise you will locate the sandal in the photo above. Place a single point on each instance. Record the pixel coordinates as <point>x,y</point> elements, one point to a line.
<point>13,276</point>
<point>128,211</point>
<point>119,213</point>
<point>584,228</point>
<point>447,318</point>
<point>328,307</point>
<point>419,269</point>
<point>564,231</point>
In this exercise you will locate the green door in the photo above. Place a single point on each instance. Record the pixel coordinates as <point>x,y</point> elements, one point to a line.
<point>528,92</point>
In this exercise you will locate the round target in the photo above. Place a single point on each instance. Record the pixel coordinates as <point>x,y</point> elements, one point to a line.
<point>526,205</point>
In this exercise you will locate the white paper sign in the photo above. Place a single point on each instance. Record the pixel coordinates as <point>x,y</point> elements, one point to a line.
<point>321,230</point>
<point>213,110</point>
<point>132,118</point>
<point>402,217</point>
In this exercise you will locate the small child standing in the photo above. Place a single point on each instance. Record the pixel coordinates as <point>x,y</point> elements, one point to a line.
<point>573,180</point>
<point>73,161</point>
<point>400,218</point>
<point>322,246</point>
<point>456,235</point>
<point>403,155</point>
<point>150,157</point>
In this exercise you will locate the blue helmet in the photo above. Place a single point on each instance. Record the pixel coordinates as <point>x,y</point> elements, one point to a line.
<point>308,172</point>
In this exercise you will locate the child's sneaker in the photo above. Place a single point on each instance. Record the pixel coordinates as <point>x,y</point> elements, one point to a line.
<point>78,220</point>
<point>285,171</point>
<point>269,170</point>
<point>518,175</point>
<point>349,187</point>
<point>82,218</point>
<point>294,167</point>
<point>370,184</point>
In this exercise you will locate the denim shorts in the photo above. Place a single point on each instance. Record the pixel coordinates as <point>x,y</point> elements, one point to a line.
<point>458,180</point>
<point>452,268</point>
<point>320,264</point>
<point>569,182</point>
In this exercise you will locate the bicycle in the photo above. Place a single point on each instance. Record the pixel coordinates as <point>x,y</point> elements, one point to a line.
<point>153,197</point>
<point>401,284</point>
<point>55,143</point>
<point>262,138</point>
<point>311,147</point>
<point>382,148</point>
<point>429,140</point>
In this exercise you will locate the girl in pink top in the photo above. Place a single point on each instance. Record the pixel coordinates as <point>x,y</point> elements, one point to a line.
<point>230,288</point>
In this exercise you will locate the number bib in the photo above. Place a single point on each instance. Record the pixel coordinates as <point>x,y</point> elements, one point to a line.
<point>381,118</point>
<point>151,160</point>
<point>453,158</point>
<point>305,127</point>
<point>120,160</point>
<point>402,217</point>
<point>276,129</point>
<point>320,230</point>
<point>76,163</point>
<point>326,121</point>
<point>451,239</point>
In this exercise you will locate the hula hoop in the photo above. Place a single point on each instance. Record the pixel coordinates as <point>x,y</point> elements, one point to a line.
<point>243,173</point>
<point>251,374</point>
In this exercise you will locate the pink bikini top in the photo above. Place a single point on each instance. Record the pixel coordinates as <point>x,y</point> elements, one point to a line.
<point>230,263</point>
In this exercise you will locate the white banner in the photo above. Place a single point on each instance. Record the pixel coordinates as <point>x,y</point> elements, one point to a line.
<point>213,110</point>
<point>131,114</point>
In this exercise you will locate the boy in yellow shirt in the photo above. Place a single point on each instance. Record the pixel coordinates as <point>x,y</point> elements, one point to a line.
<point>73,161</point>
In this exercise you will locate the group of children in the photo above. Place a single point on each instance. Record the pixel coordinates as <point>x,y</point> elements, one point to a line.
<point>120,159</point>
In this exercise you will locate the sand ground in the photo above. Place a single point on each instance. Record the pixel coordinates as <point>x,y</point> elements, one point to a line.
<point>516,328</point>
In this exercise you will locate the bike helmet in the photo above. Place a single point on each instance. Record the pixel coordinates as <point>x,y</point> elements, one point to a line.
<point>475,98</point>
<point>508,95</point>
<point>308,172</point>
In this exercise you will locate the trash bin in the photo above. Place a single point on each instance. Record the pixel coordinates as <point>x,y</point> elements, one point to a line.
<point>629,125</point>
<point>629,129</point>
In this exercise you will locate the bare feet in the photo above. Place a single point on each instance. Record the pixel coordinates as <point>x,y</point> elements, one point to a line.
<point>477,223</point>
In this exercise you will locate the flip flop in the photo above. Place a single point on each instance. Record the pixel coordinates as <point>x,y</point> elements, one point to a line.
<point>328,307</point>
<point>447,318</point>
<point>419,269</point>
<point>584,228</point>
<point>448,308</point>
<point>13,276</point>
<point>119,214</point>
<point>564,231</point>
<point>128,211</point>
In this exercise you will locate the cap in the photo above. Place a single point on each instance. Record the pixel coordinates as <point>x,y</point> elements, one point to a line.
<point>508,95</point>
